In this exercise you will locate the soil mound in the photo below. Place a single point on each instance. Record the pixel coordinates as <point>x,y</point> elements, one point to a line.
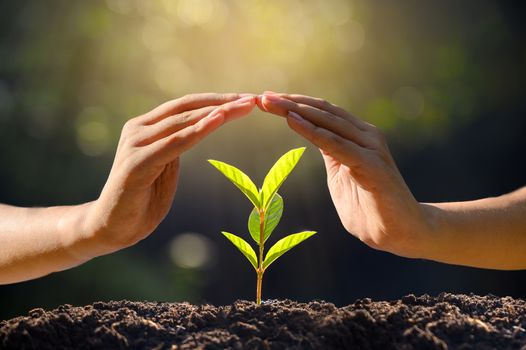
<point>448,321</point>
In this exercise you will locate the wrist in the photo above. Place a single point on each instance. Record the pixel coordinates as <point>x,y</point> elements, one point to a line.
<point>431,232</point>
<point>79,237</point>
<point>417,237</point>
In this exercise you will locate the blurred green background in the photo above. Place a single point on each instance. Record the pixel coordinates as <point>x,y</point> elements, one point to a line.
<point>443,79</point>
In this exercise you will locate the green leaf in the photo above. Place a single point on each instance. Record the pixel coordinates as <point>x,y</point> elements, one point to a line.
<point>243,247</point>
<point>277,174</point>
<point>284,245</point>
<point>272,217</point>
<point>240,179</point>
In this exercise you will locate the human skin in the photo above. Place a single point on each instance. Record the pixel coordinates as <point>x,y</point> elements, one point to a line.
<point>135,199</point>
<point>370,196</point>
<point>375,204</point>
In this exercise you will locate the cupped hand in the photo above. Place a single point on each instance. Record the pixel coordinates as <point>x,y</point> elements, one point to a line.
<point>369,193</point>
<point>143,179</point>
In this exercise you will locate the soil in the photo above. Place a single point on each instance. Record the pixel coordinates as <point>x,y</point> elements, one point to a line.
<point>448,321</point>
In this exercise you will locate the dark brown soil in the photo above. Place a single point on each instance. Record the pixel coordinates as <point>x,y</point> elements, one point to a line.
<point>445,322</point>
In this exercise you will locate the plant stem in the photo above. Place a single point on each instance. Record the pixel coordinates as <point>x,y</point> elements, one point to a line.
<point>258,290</point>
<point>261,247</point>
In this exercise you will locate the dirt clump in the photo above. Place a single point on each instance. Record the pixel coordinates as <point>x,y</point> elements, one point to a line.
<point>447,321</point>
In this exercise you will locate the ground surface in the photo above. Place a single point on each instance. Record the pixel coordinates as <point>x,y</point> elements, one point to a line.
<point>445,322</point>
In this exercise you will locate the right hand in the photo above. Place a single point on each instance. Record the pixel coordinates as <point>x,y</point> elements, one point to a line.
<point>369,193</point>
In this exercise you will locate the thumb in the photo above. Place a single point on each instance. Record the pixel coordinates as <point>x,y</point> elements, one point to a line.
<point>239,108</point>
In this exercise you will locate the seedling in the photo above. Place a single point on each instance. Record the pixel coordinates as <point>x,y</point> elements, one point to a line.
<point>266,214</point>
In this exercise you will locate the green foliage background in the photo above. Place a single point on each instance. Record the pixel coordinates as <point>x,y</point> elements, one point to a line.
<point>443,79</point>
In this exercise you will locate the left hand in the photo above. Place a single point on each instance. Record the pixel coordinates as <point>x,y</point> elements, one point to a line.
<point>143,180</point>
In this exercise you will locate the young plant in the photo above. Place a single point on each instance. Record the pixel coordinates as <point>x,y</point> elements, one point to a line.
<point>266,214</point>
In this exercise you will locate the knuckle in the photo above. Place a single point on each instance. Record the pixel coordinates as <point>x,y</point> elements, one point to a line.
<point>197,133</point>
<point>341,111</point>
<point>377,133</point>
<point>385,158</point>
<point>377,139</point>
<point>184,100</point>
<point>329,116</point>
<point>341,150</point>
<point>313,136</point>
<point>378,160</point>
<point>171,104</point>
<point>381,137</point>
<point>182,117</point>
<point>138,140</point>
<point>335,139</point>
<point>129,132</point>
<point>227,96</point>
<point>324,103</point>
<point>175,140</point>
<point>129,126</point>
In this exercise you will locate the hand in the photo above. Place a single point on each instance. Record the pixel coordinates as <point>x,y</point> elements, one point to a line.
<point>143,180</point>
<point>370,196</point>
<point>137,196</point>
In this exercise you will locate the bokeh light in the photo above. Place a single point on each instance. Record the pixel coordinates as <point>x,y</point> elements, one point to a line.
<point>443,80</point>
<point>409,102</point>
<point>191,250</point>
<point>93,136</point>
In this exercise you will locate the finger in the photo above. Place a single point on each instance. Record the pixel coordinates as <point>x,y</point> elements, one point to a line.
<point>172,124</point>
<point>185,103</point>
<point>240,108</point>
<point>342,150</point>
<point>319,117</point>
<point>167,126</point>
<point>172,146</point>
<point>168,149</point>
<point>326,106</point>
<point>248,94</point>
<point>259,103</point>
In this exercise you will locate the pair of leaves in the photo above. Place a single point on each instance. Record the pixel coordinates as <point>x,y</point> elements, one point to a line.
<point>281,247</point>
<point>266,202</point>
<point>274,179</point>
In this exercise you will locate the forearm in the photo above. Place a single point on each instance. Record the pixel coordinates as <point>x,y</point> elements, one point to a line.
<point>487,233</point>
<point>37,241</point>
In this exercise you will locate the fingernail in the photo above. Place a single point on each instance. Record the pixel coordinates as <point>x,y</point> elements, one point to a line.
<point>244,99</point>
<point>295,116</point>
<point>272,98</point>
<point>269,92</point>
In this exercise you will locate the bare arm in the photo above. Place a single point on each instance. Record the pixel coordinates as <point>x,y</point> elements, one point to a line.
<point>37,241</point>
<point>375,205</point>
<point>488,233</point>
<point>135,199</point>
